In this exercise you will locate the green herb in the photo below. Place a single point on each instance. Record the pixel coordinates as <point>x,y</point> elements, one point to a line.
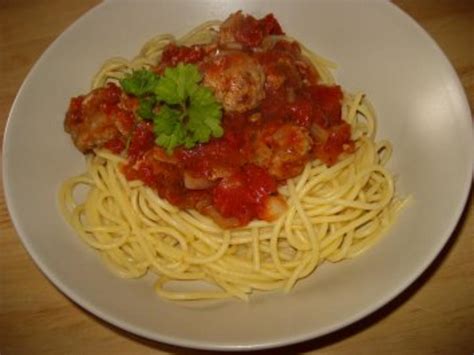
<point>139,83</point>
<point>204,115</point>
<point>188,112</point>
<point>178,83</point>
<point>146,106</point>
<point>168,128</point>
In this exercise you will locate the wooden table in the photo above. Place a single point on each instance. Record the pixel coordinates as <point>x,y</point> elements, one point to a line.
<point>434,315</point>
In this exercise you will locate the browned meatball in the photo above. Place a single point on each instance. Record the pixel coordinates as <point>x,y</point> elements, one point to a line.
<point>97,118</point>
<point>236,79</point>
<point>285,152</point>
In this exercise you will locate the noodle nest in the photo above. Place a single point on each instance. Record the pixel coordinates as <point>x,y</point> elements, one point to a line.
<point>335,212</point>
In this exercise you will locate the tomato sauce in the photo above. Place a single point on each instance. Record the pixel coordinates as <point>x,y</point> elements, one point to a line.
<point>233,178</point>
<point>251,31</point>
<point>243,194</point>
<point>141,141</point>
<point>173,54</point>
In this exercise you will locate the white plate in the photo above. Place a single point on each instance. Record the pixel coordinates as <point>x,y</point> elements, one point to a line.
<point>422,110</point>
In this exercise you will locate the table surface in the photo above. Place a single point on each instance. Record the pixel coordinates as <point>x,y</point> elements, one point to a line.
<point>434,315</point>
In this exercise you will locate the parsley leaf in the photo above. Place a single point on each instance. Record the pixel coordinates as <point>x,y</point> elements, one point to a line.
<point>168,127</point>
<point>178,83</point>
<point>172,140</point>
<point>139,82</point>
<point>166,120</point>
<point>188,112</point>
<point>146,106</point>
<point>204,115</point>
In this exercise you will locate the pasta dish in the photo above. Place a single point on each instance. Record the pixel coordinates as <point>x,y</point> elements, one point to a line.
<point>228,156</point>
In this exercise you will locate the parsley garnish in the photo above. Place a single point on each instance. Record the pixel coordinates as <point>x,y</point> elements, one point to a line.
<point>139,83</point>
<point>183,111</point>
<point>146,106</point>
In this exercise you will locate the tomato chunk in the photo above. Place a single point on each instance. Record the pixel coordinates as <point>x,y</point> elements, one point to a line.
<point>243,194</point>
<point>328,100</point>
<point>338,140</point>
<point>173,54</point>
<point>141,141</point>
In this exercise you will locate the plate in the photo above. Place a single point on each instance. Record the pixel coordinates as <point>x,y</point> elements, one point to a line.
<point>422,110</point>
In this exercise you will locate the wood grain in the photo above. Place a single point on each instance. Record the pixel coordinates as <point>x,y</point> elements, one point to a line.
<point>433,316</point>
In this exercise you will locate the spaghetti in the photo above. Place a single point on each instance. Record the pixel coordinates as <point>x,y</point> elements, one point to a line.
<point>335,212</point>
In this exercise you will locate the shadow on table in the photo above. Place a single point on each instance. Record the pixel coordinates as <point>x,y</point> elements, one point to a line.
<point>336,336</point>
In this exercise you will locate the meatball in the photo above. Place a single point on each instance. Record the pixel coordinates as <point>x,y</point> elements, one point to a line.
<point>229,27</point>
<point>96,118</point>
<point>291,145</point>
<point>236,79</point>
<point>285,153</point>
<point>245,30</point>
